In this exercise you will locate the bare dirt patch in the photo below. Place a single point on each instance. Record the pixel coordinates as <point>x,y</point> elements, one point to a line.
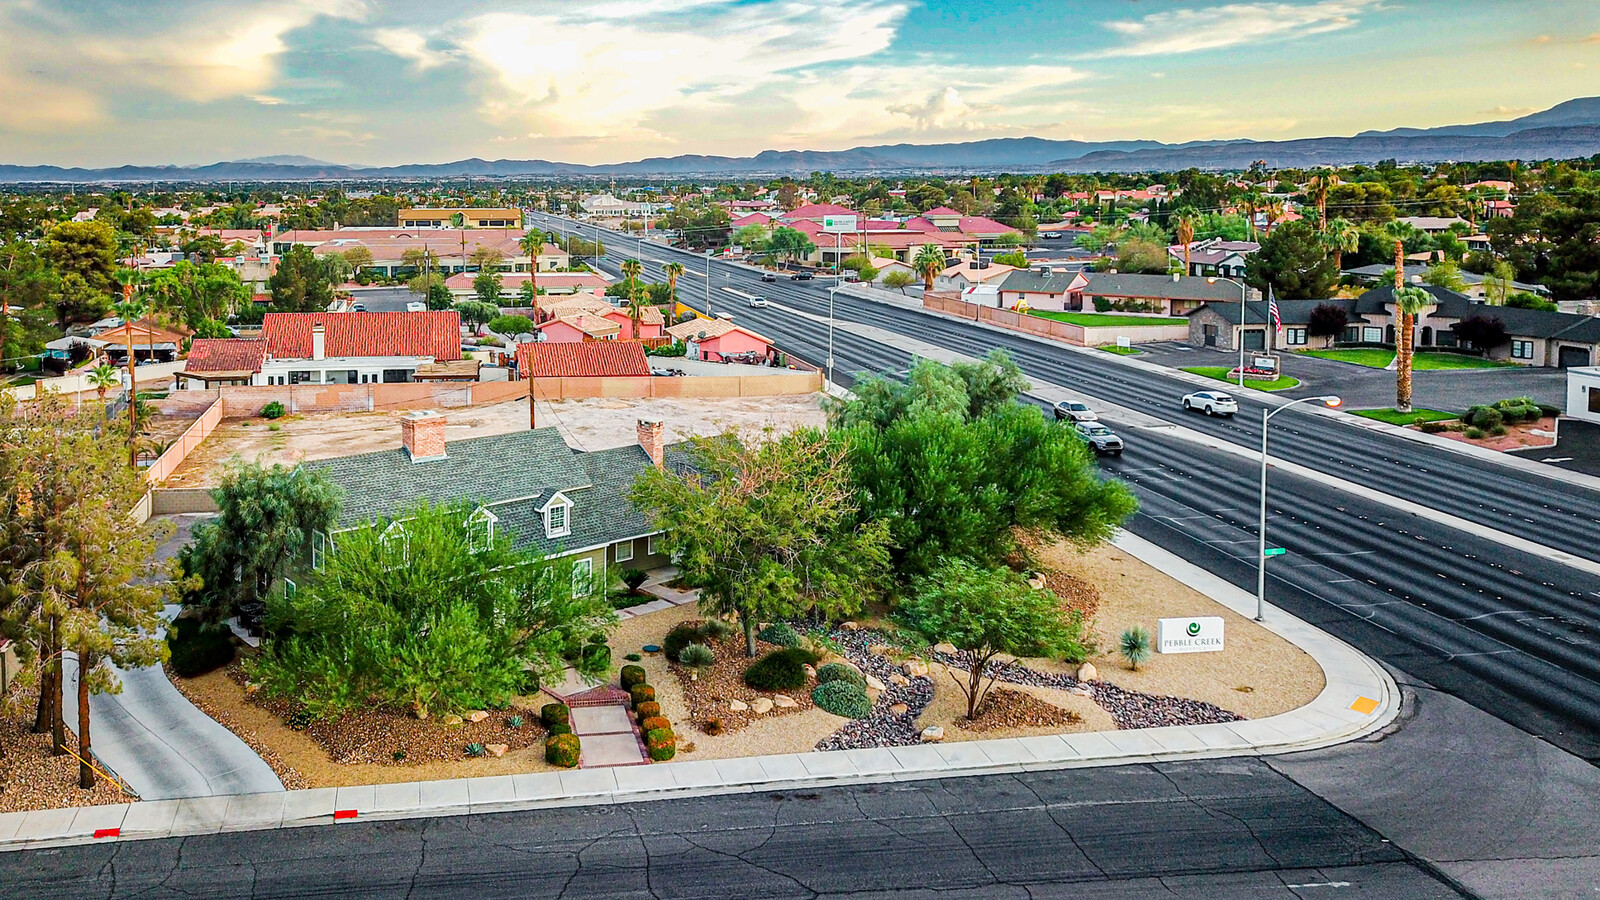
<point>1259,674</point>
<point>359,748</point>
<point>30,778</point>
<point>1006,708</point>
<point>595,424</point>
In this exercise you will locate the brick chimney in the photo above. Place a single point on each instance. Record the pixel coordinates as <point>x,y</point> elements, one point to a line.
<point>318,339</point>
<point>422,435</point>
<point>652,437</point>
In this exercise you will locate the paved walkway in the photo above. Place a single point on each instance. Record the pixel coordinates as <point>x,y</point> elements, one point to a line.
<point>607,735</point>
<point>154,739</point>
<point>1359,698</point>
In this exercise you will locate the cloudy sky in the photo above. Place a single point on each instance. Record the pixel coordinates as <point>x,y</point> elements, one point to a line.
<point>107,82</point>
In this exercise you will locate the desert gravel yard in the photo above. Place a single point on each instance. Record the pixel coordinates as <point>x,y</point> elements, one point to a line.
<point>595,424</point>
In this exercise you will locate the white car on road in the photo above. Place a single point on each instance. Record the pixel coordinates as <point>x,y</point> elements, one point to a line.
<point>1212,403</point>
<point>1072,410</point>
<point>758,303</point>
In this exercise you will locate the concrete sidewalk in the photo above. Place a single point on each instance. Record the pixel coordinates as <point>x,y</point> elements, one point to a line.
<point>154,739</point>
<point>1358,699</point>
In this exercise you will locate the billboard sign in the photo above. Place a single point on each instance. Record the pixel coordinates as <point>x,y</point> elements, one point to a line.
<point>839,224</point>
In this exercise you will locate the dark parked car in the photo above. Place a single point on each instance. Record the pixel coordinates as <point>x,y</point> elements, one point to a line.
<point>800,276</point>
<point>768,276</point>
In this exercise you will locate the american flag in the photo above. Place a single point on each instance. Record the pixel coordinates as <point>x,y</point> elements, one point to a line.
<point>1272,310</point>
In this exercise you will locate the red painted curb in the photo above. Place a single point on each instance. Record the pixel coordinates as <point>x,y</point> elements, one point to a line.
<point>107,832</point>
<point>343,814</point>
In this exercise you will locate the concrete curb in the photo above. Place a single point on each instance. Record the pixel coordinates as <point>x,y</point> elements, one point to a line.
<point>1353,683</point>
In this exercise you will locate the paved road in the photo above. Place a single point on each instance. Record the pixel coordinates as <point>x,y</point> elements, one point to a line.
<point>1516,502</point>
<point>1449,804</point>
<point>1504,630</point>
<point>156,740</point>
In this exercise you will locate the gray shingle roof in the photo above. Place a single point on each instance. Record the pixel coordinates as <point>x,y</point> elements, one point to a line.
<point>1519,322</point>
<point>1188,287</point>
<point>513,475</point>
<point>1293,312</point>
<point>1037,282</point>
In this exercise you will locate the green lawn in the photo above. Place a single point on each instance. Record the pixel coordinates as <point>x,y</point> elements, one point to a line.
<point>1102,320</point>
<point>1120,351</point>
<point>1220,373</point>
<point>1375,358</point>
<point>1410,418</point>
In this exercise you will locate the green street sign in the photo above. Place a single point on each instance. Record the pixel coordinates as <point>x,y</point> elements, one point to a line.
<point>1275,551</point>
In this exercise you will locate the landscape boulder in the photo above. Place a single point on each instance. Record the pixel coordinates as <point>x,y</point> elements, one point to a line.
<point>496,750</point>
<point>933,734</point>
<point>1087,672</point>
<point>761,706</point>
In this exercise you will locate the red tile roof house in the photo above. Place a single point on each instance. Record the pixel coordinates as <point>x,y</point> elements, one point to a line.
<point>719,340</point>
<point>595,359</point>
<point>577,328</point>
<point>334,348</point>
<point>651,322</point>
<point>552,283</point>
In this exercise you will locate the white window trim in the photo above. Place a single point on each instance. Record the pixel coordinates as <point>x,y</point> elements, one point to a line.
<point>582,575</point>
<point>652,545</point>
<point>397,530</point>
<point>1517,344</point>
<point>619,546</point>
<point>559,500</point>
<point>320,545</point>
<point>481,539</point>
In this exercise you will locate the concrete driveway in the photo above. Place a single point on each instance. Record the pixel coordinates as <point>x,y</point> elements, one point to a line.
<point>155,739</point>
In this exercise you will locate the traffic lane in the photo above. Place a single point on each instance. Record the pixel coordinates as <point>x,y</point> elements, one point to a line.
<point>1210,828</point>
<point>1528,655</point>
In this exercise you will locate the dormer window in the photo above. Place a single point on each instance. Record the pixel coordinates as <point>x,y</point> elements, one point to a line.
<point>394,542</point>
<point>557,516</point>
<point>480,530</point>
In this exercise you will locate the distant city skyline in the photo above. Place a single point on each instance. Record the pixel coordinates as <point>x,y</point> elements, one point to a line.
<point>382,82</point>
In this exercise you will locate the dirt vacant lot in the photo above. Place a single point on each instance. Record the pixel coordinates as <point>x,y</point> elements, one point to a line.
<point>585,424</point>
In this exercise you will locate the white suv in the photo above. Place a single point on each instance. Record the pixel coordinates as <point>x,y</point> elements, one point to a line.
<point>1212,403</point>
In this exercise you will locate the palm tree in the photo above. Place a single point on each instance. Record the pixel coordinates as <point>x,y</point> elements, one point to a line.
<point>928,262</point>
<point>102,378</point>
<point>674,271</point>
<point>531,243</point>
<point>633,270</point>
<point>1273,210</point>
<point>1341,236</point>
<point>1408,301</point>
<point>1317,186</point>
<point>1398,232</point>
<point>130,310</point>
<point>1186,237</point>
<point>1250,204</point>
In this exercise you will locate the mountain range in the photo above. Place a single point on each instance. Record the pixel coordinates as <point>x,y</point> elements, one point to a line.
<point>1568,130</point>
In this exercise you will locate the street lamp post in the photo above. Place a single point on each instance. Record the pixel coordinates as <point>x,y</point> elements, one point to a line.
<point>1244,293</point>
<point>1261,524</point>
<point>831,292</point>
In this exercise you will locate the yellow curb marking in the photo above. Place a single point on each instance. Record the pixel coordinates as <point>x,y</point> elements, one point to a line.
<point>1364,705</point>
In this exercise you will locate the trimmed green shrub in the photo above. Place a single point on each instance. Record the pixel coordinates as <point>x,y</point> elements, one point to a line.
<point>198,647</point>
<point>1473,432</point>
<point>715,629</point>
<point>273,410</point>
<point>1548,411</point>
<point>780,670</point>
<point>1466,417</point>
<point>647,709</point>
<point>555,714</point>
<point>842,698</point>
<point>559,728</point>
<point>661,744</point>
<point>697,656</point>
<point>562,750</point>
<point>632,657</point>
<point>680,637</point>
<point>1433,427</point>
<point>1487,417</point>
<point>641,693</point>
<point>836,671</point>
<point>780,634</point>
<point>633,578</point>
<point>597,657</point>
<point>632,675</point>
<point>1497,431</point>
<point>652,723</point>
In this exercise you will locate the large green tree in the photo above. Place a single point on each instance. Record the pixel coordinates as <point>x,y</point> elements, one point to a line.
<point>1294,261</point>
<point>967,472</point>
<point>300,283</point>
<point>266,516</point>
<point>451,618</point>
<point>767,529</point>
<point>85,249</point>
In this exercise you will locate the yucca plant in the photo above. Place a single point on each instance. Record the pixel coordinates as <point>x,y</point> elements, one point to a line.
<point>1134,645</point>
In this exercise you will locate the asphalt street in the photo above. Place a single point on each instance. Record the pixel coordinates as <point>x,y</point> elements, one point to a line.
<point>1541,509</point>
<point>1504,630</point>
<point>1446,803</point>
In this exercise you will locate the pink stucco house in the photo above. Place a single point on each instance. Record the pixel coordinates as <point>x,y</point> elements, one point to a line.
<point>719,340</point>
<point>651,323</point>
<point>578,328</point>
